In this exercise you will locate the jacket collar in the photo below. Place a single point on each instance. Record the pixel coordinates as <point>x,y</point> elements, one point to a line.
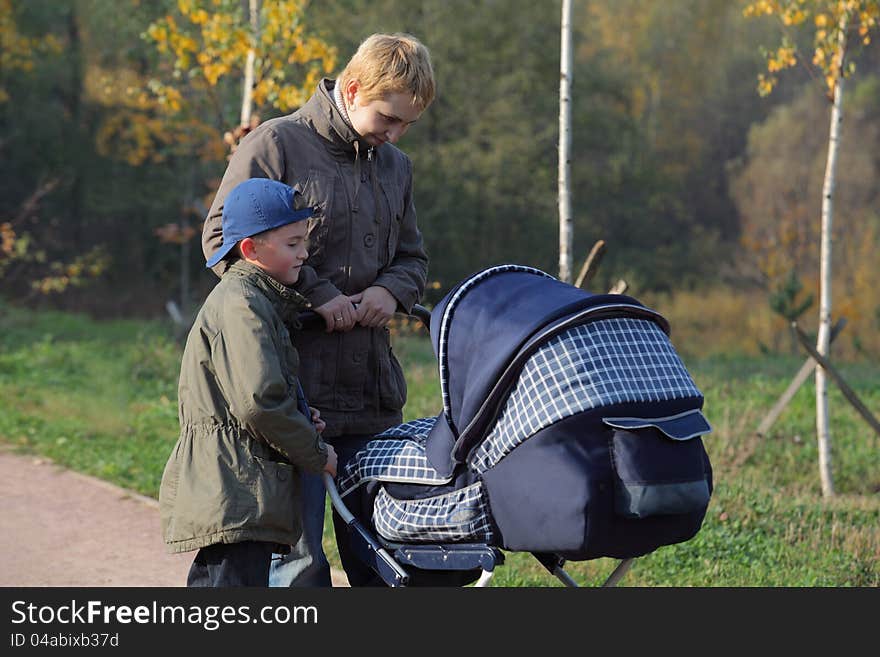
<point>287,301</point>
<point>325,117</point>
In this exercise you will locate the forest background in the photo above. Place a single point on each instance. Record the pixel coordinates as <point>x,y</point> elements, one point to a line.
<point>706,193</point>
<point>117,118</point>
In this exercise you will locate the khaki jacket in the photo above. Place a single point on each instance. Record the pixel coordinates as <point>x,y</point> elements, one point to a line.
<point>364,233</point>
<point>244,438</point>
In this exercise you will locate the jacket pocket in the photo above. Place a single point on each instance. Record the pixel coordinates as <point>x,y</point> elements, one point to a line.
<point>317,189</point>
<point>275,485</point>
<point>333,368</point>
<point>394,203</point>
<point>659,465</point>
<point>318,357</point>
<point>350,379</point>
<point>392,383</point>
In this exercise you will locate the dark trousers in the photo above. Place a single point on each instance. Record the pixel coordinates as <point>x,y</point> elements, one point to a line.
<point>232,564</point>
<point>359,573</point>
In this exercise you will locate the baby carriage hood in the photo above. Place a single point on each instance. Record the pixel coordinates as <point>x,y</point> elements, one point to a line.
<point>477,329</point>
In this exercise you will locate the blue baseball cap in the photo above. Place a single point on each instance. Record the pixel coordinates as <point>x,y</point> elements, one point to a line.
<point>254,206</point>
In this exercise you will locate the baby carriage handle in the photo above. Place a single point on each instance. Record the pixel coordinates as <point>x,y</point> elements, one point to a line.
<point>422,314</point>
<point>311,319</point>
<point>384,560</point>
<point>336,499</point>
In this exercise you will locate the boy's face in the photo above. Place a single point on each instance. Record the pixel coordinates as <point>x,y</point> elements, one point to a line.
<point>282,251</point>
<point>382,119</point>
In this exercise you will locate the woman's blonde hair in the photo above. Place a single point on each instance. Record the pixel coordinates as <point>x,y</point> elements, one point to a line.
<point>392,63</point>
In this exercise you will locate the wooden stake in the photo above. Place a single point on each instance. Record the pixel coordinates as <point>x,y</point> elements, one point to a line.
<point>848,392</point>
<point>799,379</point>
<point>619,287</point>
<point>591,264</point>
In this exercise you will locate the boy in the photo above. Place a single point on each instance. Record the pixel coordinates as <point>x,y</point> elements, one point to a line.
<point>230,486</point>
<point>366,249</point>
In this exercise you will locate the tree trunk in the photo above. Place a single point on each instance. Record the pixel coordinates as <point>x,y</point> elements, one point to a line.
<point>73,104</point>
<point>253,12</point>
<point>823,430</point>
<point>565,218</point>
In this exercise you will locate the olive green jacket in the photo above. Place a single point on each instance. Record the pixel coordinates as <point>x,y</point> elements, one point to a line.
<point>244,438</point>
<point>364,233</point>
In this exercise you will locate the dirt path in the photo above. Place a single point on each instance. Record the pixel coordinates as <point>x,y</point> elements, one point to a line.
<point>62,528</point>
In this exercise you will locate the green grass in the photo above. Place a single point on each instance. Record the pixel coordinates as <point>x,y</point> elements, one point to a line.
<point>100,397</point>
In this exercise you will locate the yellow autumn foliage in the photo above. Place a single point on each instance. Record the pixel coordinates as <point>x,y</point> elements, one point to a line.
<point>66,274</point>
<point>205,46</point>
<point>17,52</point>
<point>827,18</point>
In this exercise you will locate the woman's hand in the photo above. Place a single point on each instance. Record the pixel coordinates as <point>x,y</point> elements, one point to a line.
<point>375,306</point>
<point>339,314</point>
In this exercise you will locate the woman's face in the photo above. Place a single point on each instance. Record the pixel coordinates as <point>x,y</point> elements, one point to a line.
<point>382,119</point>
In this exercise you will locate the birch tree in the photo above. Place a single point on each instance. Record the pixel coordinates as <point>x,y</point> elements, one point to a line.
<point>247,93</point>
<point>565,218</point>
<point>832,21</point>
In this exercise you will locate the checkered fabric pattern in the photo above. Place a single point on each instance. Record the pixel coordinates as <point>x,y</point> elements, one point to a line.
<point>449,311</point>
<point>389,460</point>
<point>416,430</point>
<point>606,362</point>
<point>461,515</point>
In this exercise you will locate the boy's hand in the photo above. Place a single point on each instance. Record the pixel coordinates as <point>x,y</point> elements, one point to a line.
<point>330,466</point>
<point>339,314</point>
<point>375,306</point>
<point>320,425</point>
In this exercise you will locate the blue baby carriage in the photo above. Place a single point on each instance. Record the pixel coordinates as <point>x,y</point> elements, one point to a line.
<point>570,429</point>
